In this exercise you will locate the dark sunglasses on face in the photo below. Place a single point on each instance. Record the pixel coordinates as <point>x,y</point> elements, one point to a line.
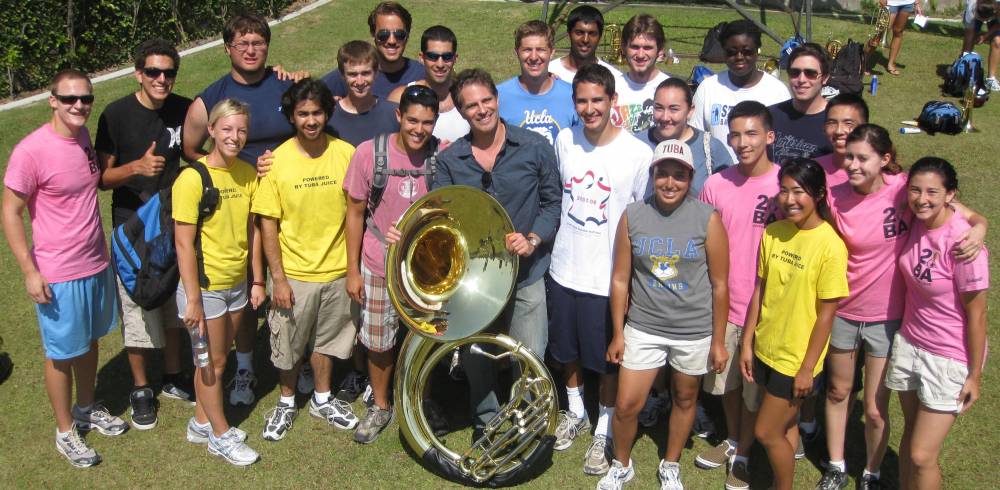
<point>448,57</point>
<point>808,72</point>
<point>155,73</point>
<point>487,180</point>
<point>72,99</point>
<point>384,34</point>
<point>731,53</point>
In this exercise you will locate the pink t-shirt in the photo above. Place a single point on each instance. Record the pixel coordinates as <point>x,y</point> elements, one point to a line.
<point>747,206</point>
<point>400,192</point>
<point>834,174</point>
<point>59,176</point>
<point>874,228</point>
<point>934,318</point>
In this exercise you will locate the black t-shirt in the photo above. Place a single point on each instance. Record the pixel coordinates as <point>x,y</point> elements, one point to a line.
<point>125,130</point>
<point>358,128</point>
<point>797,134</point>
<point>384,82</point>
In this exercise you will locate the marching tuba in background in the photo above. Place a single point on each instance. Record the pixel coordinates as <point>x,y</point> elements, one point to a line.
<point>449,277</point>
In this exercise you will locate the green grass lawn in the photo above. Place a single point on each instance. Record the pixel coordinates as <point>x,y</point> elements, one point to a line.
<point>316,455</point>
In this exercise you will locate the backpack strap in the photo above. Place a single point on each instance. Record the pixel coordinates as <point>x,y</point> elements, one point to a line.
<point>382,172</point>
<point>206,207</point>
<point>706,140</point>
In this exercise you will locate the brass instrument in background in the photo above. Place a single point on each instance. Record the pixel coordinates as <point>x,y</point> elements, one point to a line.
<point>969,103</point>
<point>611,50</point>
<point>880,23</point>
<point>833,47</point>
<point>769,66</point>
<point>448,277</point>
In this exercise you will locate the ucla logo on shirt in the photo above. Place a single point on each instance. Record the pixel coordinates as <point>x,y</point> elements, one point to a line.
<point>663,258</point>
<point>720,114</point>
<point>542,123</point>
<point>588,195</point>
<point>664,267</point>
<point>923,269</point>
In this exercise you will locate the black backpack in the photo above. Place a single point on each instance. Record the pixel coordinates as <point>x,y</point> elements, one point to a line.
<point>380,176</point>
<point>847,70</point>
<point>711,47</point>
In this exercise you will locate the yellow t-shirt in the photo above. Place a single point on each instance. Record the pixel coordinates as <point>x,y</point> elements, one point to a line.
<point>799,267</point>
<point>307,196</point>
<point>223,234</point>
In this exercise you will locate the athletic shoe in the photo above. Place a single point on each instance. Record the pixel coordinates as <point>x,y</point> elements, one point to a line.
<point>306,383</point>
<point>278,422</point>
<point>199,434</point>
<point>99,419</point>
<point>994,86</point>
<point>595,462</point>
<point>809,438</point>
<point>376,420</point>
<point>833,479</point>
<point>739,476</point>
<point>181,388</point>
<point>715,457</point>
<point>231,447</point>
<point>569,427</point>
<point>616,477</point>
<point>800,450</point>
<point>870,482</point>
<point>435,418</point>
<point>142,408</point>
<point>76,449</point>
<point>829,92</point>
<point>336,412</point>
<point>703,426</point>
<point>243,384</point>
<point>670,476</point>
<point>352,386</point>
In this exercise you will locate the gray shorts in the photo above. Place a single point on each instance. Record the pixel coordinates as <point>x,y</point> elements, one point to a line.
<point>216,303</point>
<point>875,337</point>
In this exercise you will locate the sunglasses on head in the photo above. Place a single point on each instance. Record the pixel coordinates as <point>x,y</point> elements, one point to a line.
<point>72,99</point>
<point>808,72</point>
<point>154,73</point>
<point>384,34</point>
<point>418,91</point>
<point>487,180</point>
<point>448,56</point>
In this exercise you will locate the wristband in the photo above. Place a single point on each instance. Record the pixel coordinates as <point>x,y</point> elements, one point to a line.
<point>258,283</point>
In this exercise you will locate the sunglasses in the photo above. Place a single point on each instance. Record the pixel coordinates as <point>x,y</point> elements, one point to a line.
<point>72,99</point>
<point>732,53</point>
<point>418,91</point>
<point>383,35</point>
<point>487,180</point>
<point>155,73</point>
<point>447,57</point>
<point>808,72</point>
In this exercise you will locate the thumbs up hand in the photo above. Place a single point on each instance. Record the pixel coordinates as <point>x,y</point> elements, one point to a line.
<point>149,165</point>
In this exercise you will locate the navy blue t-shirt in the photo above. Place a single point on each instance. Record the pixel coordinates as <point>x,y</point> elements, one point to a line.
<point>358,128</point>
<point>384,82</point>
<point>797,134</point>
<point>268,126</point>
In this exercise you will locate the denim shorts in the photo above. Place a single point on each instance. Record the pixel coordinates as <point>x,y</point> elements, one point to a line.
<point>895,9</point>
<point>80,312</point>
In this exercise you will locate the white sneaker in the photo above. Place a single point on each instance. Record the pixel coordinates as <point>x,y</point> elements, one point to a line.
<point>337,413</point>
<point>199,434</point>
<point>278,422</point>
<point>992,84</point>
<point>243,384</point>
<point>98,418</point>
<point>617,476</point>
<point>230,447</point>
<point>670,476</point>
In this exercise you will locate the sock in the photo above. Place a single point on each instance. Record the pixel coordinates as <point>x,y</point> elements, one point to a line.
<point>321,397</point>
<point>575,397</point>
<point>741,459</point>
<point>808,427</point>
<point>288,401</point>
<point>244,360</point>
<point>839,466</point>
<point>201,425</point>
<point>604,421</point>
<point>875,475</point>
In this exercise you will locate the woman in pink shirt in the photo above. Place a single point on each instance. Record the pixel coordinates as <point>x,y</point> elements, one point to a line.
<point>938,355</point>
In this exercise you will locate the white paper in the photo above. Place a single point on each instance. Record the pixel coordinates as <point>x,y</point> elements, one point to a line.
<point>920,20</point>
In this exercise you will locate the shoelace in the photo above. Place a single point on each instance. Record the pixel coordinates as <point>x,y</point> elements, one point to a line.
<point>99,412</point>
<point>567,424</point>
<point>242,382</point>
<point>75,442</point>
<point>342,406</point>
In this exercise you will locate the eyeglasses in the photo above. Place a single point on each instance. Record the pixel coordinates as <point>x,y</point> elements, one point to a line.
<point>487,180</point>
<point>73,99</point>
<point>414,91</point>
<point>383,35</point>
<point>244,45</point>
<point>447,57</point>
<point>155,73</point>
<point>808,72</point>
<point>732,53</point>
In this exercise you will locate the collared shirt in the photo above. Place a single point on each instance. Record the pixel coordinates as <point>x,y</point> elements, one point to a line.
<point>525,180</point>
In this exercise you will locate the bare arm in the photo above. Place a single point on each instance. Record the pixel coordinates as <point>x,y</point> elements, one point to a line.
<point>355,232</point>
<point>114,175</point>
<point>281,290</point>
<point>257,291</point>
<point>195,131</point>
<point>621,274</point>
<point>187,263</point>
<point>717,255</point>
<point>750,328</point>
<point>975,312</point>
<point>969,244</point>
<point>818,339</point>
<point>13,228</point>
<point>396,94</point>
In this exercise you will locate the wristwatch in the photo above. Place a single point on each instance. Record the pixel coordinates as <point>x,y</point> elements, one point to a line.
<point>534,241</point>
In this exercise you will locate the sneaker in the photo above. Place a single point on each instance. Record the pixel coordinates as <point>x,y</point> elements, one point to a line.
<point>595,462</point>
<point>76,449</point>
<point>455,369</point>
<point>336,412</point>
<point>199,434</point>
<point>800,450</point>
<point>715,457</point>
<point>98,418</point>
<point>142,408</point>
<point>376,420</point>
<point>181,388</point>
<point>670,476</point>
<point>870,482</point>
<point>809,438</point>
<point>616,477</point>
<point>994,86</point>
<point>352,386</point>
<point>243,384</point>
<point>306,383</point>
<point>833,479</point>
<point>435,418</point>
<point>703,426</point>
<point>369,396</point>
<point>739,476</point>
<point>278,422</point>
<point>232,447</point>
<point>569,427</point>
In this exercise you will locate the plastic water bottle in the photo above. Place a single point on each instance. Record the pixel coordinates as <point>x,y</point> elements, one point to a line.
<point>874,86</point>
<point>199,347</point>
<point>909,130</point>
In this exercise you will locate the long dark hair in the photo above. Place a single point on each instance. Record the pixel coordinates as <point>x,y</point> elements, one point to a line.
<point>810,175</point>
<point>879,139</point>
<point>938,166</point>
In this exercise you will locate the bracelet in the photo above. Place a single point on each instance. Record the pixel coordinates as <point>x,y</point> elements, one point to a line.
<point>258,283</point>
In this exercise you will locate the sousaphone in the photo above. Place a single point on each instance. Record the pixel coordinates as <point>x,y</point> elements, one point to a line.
<point>449,277</point>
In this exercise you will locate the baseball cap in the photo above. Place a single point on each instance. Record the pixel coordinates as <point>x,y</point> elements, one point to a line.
<point>673,150</point>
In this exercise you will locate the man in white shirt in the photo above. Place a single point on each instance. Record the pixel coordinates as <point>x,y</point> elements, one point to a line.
<point>642,45</point>
<point>585,26</point>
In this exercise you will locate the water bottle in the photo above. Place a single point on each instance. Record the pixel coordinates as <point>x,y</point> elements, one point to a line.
<point>199,347</point>
<point>874,86</point>
<point>909,130</point>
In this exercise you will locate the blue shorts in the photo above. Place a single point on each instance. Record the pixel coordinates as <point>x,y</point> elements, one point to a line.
<point>579,328</point>
<point>895,9</point>
<point>81,311</point>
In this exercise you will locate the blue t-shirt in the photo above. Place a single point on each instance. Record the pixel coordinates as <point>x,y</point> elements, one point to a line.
<point>545,114</point>
<point>358,128</point>
<point>721,158</point>
<point>269,128</point>
<point>384,82</point>
<point>796,134</point>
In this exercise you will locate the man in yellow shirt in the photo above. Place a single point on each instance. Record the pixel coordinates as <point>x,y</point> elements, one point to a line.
<point>302,205</point>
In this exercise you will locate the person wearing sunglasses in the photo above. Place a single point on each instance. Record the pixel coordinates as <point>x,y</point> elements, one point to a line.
<point>799,121</point>
<point>54,174</point>
<point>439,53</point>
<point>389,24</point>
<point>360,115</point>
<point>585,25</point>
<point>139,146</point>
<point>642,45</point>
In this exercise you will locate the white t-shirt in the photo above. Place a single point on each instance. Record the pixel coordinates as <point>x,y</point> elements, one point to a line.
<point>451,125</point>
<point>634,111</point>
<point>598,183</point>
<point>717,95</point>
<point>556,68</point>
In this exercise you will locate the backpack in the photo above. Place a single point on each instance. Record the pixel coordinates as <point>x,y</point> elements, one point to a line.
<point>787,48</point>
<point>711,47</point>
<point>846,71</point>
<point>698,74</point>
<point>143,251</point>
<point>968,68</point>
<point>380,176</point>
<point>940,117</point>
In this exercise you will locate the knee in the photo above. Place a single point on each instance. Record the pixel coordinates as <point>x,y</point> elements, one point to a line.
<point>627,409</point>
<point>897,32</point>
<point>685,399</point>
<point>995,42</point>
<point>923,459</point>
<point>837,394</point>
<point>765,435</point>
<point>875,417</point>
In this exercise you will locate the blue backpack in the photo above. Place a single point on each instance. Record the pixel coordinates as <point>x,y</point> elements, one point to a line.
<point>787,48</point>
<point>940,117</point>
<point>143,251</point>
<point>967,69</point>
<point>698,74</point>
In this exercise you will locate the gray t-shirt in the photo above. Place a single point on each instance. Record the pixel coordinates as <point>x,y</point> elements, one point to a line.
<point>671,291</point>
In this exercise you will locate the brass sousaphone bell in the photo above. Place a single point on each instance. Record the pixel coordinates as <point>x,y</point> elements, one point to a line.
<point>449,277</point>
